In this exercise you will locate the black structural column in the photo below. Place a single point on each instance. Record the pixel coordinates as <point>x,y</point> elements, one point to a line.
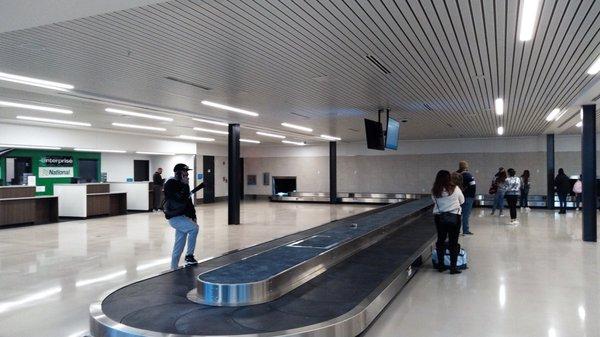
<point>588,164</point>
<point>234,175</point>
<point>332,173</point>
<point>550,171</point>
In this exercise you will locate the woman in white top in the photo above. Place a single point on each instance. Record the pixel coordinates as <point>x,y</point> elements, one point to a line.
<point>447,199</point>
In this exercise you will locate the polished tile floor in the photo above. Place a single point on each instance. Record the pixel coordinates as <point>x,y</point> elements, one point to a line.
<point>533,279</point>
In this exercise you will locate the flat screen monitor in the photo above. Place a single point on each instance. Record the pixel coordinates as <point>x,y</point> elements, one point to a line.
<point>284,185</point>
<point>374,133</point>
<point>392,133</point>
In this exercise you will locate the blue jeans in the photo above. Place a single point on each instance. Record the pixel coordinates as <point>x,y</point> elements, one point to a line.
<point>184,227</point>
<point>467,206</point>
<point>498,201</point>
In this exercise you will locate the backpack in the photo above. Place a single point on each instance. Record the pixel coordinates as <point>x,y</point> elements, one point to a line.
<point>494,188</point>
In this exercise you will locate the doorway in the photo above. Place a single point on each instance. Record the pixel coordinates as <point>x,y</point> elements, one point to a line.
<point>141,170</point>
<point>208,171</point>
<point>17,170</point>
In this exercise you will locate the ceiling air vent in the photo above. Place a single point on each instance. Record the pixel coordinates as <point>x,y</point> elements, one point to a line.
<point>596,98</point>
<point>170,78</point>
<point>378,64</point>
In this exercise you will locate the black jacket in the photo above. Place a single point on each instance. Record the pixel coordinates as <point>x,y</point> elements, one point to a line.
<point>562,184</point>
<point>469,184</point>
<point>178,199</point>
<point>157,179</point>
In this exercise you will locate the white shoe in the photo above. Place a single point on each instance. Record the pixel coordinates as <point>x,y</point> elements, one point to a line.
<point>501,215</point>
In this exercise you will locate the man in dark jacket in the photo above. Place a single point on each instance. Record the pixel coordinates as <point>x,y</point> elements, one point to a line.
<point>158,183</point>
<point>181,214</point>
<point>563,188</point>
<point>468,188</point>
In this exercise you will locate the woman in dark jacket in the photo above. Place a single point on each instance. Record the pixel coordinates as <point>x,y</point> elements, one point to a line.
<point>563,187</point>
<point>525,187</point>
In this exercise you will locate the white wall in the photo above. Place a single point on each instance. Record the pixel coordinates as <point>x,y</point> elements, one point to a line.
<point>119,166</point>
<point>70,138</point>
<point>220,154</point>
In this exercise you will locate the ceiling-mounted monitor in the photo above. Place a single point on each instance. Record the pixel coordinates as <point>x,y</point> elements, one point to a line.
<point>392,133</point>
<point>374,132</point>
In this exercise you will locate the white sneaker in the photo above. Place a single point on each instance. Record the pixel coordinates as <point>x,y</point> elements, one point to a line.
<point>527,209</point>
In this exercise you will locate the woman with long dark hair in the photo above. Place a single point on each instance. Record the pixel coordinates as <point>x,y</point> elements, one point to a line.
<point>447,199</point>
<point>500,183</point>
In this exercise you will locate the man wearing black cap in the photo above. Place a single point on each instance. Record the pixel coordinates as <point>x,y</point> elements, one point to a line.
<point>180,212</point>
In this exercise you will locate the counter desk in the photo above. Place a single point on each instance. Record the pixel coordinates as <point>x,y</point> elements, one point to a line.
<point>19,205</point>
<point>140,196</point>
<point>91,199</point>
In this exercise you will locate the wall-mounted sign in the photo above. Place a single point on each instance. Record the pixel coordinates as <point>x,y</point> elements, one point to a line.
<point>55,172</point>
<point>56,167</point>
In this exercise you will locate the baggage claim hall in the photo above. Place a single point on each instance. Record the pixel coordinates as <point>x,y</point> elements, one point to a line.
<point>331,168</point>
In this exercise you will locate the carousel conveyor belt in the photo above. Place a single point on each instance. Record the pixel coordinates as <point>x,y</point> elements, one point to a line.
<point>341,300</point>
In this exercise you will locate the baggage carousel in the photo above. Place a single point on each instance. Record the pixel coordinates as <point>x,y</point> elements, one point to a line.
<point>332,280</point>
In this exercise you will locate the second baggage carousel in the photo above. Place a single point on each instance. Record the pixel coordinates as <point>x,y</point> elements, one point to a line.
<point>341,301</point>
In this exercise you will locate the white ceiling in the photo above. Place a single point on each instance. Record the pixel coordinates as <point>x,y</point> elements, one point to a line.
<point>305,62</point>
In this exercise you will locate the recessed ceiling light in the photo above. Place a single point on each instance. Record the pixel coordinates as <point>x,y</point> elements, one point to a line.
<point>297,127</point>
<point>528,17</point>
<point>295,143</point>
<point>499,103</point>
<point>203,139</point>
<point>579,124</point>
<point>595,67</point>
<point>553,114</point>
<point>212,131</point>
<point>210,122</point>
<point>31,147</point>
<point>35,107</point>
<point>249,141</point>
<point>560,115</point>
<point>135,126</point>
<point>99,150</point>
<point>330,137</point>
<point>138,114</point>
<point>35,82</point>
<point>230,108</point>
<point>156,153</point>
<point>501,130</point>
<point>53,121</point>
<point>269,135</point>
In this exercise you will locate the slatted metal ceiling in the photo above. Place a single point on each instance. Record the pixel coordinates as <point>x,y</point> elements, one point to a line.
<point>314,62</point>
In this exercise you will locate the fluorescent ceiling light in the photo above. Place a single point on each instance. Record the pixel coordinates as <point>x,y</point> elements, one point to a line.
<point>528,17</point>
<point>212,131</point>
<point>204,139</point>
<point>330,137</point>
<point>138,114</point>
<point>53,121</point>
<point>595,67</point>
<point>230,108</point>
<point>559,116</point>
<point>553,114</point>
<point>269,135</point>
<point>98,150</point>
<point>297,127</point>
<point>134,126</point>
<point>249,141</point>
<point>156,153</point>
<point>499,103</point>
<point>210,122</point>
<point>32,147</point>
<point>579,124</point>
<point>35,82</point>
<point>501,130</point>
<point>35,107</point>
<point>295,143</point>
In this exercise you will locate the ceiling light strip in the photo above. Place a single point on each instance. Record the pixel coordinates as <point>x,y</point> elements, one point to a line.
<point>230,108</point>
<point>294,143</point>
<point>203,139</point>
<point>269,135</point>
<point>210,121</point>
<point>35,82</point>
<point>499,104</point>
<point>500,130</point>
<point>249,141</point>
<point>135,126</point>
<point>155,153</point>
<point>297,127</point>
<point>595,67</point>
<point>211,131</point>
<point>330,137</point>
<point>53,121</point>
<point>553,114</point>
<point>35,107</point>
<point>138,114</point>
<point>43,147</point>
<point>528,18</point>
<point>99,150</point>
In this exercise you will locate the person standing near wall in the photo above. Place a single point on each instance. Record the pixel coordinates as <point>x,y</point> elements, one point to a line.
<point>578,189</point>
<point>181,214</point>
<point>158,183</point>
<point>513,189</point>
<point>563,187</point>
<point>469,187</point>
<point>499,185</point>
<point>525,187</point>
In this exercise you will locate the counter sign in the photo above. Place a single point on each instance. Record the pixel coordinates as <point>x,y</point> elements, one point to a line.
<point>56,167</point>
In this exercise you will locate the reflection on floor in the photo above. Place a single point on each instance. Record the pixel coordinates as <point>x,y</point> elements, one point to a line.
<point>534,279</point>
